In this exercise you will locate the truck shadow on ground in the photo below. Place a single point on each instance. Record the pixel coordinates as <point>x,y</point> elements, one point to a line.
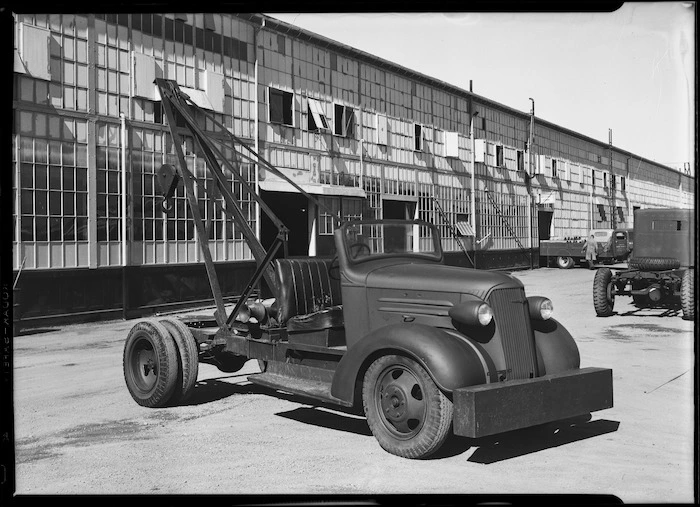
<point>651,312</point>
<point>211,390</point>
<point>527,441</point>
<point>488,450</point>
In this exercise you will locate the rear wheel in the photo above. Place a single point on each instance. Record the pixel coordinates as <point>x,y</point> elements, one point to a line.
<point>188,356</point>
<point>150,364</point>
<point>565,262</point>
<point>603,297</point>
<point>407,413</point>
<point>688,294</point>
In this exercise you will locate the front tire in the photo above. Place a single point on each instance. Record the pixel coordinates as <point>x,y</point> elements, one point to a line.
<point>603,297</point>
<point>565,262</point>
<point>688,294</point>
<point>150,364</point>
<point>407,413</point>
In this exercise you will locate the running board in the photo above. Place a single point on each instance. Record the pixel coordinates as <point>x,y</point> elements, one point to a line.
<point>314,389</point>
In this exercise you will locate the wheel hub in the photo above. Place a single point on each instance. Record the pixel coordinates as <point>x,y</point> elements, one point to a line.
<point>400,402</point>
<point>394,403</point>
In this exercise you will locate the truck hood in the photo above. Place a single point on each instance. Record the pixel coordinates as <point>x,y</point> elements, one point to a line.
<point>440,278</point>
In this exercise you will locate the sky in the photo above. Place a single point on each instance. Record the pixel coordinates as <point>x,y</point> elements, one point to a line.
<point>631,70</point>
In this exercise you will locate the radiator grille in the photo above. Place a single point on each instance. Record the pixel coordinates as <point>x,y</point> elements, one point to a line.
<point>513,322</point>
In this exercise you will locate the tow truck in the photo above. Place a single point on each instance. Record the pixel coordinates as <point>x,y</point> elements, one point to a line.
<point>385,327</point>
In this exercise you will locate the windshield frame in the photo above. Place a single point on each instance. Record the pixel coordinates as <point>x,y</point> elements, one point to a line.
<point>436,256</point>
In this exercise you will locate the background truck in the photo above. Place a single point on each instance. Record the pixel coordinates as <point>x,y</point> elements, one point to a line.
<point>614,245</point>
<point>662,271</point>
<point>386,328</point>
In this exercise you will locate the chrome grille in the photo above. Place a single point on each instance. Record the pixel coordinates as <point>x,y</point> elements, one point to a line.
<point>513,322</point>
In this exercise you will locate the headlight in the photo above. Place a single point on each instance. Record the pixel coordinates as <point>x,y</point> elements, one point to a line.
<point>485,314</point>
<point>541,308</point>
<point>472,313</point>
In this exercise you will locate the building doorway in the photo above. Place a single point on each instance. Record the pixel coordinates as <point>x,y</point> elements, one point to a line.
<point>544,223</point>
<point>292,210</point>
<point>398,210</point>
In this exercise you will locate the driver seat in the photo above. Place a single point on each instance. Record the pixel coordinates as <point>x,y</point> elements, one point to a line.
<point>309,298</point>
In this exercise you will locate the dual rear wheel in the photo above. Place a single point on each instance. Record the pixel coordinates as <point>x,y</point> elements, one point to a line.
<point>160,362</point>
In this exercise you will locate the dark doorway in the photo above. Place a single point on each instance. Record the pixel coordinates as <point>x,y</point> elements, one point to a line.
<point>397,210</point>
<point>544,223</point>
<point>292,210</point>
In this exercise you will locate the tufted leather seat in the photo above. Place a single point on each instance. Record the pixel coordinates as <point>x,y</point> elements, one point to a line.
<point>309,298</point>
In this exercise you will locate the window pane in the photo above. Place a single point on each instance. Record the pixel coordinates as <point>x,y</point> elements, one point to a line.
<point>81,229</point>
<point>27,228</point>
<point>27,198</point>
<point>68,203</point>
<point>55,228</point>
<point>54,203</point>
<point>81,179</point>
<point>55,177</point>
<point>69,229</point>
<point>41,177</point>
<point>42,229</point>
<point>81,204</point>
<point>27,175</point>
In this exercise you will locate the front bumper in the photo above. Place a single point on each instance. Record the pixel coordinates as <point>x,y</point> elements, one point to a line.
<point>488,409</point>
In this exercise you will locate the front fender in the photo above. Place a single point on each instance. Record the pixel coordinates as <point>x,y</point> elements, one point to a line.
<point>451,361</point>
<point>556,349</point>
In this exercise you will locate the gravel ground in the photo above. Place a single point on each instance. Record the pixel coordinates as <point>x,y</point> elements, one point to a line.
<point>77,430</point>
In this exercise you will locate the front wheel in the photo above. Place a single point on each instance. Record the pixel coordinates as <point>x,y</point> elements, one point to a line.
<point>603,296</point>
<point>407,413</point>
<point>688,294</point>
<point>565,262</point>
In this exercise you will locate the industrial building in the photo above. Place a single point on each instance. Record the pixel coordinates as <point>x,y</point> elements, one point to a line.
<point>370,138</point>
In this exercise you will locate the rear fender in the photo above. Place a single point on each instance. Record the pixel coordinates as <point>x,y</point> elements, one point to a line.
<point>452,361</point>
<point>556,349</point>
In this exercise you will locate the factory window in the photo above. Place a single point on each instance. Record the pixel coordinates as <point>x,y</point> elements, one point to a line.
<point>620,214</point>
<point>622,183</point>
<point>601,212</point>
<point>593,181</point>
<point>245,200</point>
<point>605,180</point>
<point>417,137</point>
<point>280,107</point>
<point>108,183</point>
<point>347,207</point>
<point>113,75</point>
<point>554,168</point>
<point>499,155</point>
<point>344,121</point>
<point>53,183</point>
<point>146,158</point>
<point>317,116</point>
<point>521,160</point>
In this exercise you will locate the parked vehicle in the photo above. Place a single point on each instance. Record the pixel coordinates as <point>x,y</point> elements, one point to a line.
<point>422,348</point>
<point>662,271</point>
<point>613,245</point>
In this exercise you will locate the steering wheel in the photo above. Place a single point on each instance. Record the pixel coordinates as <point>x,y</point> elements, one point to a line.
<point>359,247</point>
<point>334,266</point>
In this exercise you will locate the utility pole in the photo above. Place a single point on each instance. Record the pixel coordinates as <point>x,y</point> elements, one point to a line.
<point>613,220</point>
<point>472,196</point>
<point>530,205</point>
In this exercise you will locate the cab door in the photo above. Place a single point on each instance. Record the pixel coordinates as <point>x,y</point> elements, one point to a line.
<point>620,245</point>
